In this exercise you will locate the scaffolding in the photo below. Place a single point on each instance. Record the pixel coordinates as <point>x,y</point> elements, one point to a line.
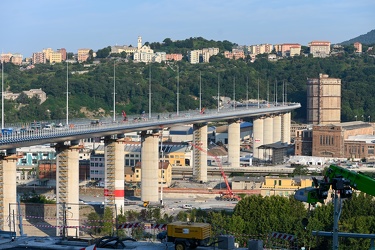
<point>197,155</point>
<point>110,172</point>
<point>1,193</point>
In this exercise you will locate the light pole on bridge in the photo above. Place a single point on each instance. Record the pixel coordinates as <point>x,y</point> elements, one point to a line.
<point>67,94</point>
<point>2,93</point>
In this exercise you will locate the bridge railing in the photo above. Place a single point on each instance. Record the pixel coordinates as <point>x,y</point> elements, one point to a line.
<point>29,131</point>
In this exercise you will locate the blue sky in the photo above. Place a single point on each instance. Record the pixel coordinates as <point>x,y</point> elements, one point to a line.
<point>28,26</point>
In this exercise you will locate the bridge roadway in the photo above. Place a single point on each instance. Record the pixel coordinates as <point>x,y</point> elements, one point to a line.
<point>83,129</point>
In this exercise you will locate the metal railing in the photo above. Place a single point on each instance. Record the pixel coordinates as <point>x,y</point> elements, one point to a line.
<point>26,135</point>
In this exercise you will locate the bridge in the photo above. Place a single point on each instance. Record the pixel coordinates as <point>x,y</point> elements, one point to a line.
<point>271,124</point>
<point>82,129</point>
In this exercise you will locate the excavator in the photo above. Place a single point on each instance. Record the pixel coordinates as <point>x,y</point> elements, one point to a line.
<point>342,181</point>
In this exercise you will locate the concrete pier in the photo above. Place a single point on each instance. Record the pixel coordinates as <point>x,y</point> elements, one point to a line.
<point>67,186</point>
<point>267,136</point>
<point>277,128</point>
<point>234,143</point>
<point>258,137</point>
<point>200,157</point>
<point>8,190</point>
<point>150,167</point>
<point>285,124</point>
<point>114,173</point>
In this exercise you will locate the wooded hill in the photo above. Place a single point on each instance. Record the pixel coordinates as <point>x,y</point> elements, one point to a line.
<point>91,87</point>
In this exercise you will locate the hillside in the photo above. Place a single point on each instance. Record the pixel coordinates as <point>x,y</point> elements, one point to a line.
<point>368,38</point>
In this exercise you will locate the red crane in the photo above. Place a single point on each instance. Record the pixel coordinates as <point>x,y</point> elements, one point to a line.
<point>228,195</point>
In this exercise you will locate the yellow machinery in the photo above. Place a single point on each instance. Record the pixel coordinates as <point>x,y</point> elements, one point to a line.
<point>188,234</point>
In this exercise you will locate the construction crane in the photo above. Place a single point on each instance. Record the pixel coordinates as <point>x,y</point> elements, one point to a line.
<point>228,195</point>
<point>342,181</point>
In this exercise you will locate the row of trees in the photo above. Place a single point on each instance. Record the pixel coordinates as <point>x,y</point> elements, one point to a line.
<point>256,217</point>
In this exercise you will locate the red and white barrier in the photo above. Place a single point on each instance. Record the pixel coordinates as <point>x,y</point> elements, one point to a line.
<point>281,236</point>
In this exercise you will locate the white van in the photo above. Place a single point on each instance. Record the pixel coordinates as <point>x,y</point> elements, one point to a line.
<point>187,206</point>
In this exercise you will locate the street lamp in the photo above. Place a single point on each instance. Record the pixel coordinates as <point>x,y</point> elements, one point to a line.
<point>234,93</point>
<point>178,90</point>
<point>114,91</point>
<point>2,93</point>
<point>67,94</point>
<point>369,118</point>
<point>149,93</point>
<point>162,166</point>
<point>200,91</point>
<point>355,117</point>
<point>218,93</point>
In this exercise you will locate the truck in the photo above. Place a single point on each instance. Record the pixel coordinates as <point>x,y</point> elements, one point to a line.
<point>188,234</point>
<point>342,181</point>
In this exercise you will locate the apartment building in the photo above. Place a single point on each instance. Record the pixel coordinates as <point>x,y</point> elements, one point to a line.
<point>260,49</point>
<point>194,56</point>
<point>48,52</point>
<point>39,57</point>
<point>63,53</point>
<point>235,54</point>
<point>173,57</point>
<point>5,57</point>
<point>288,49</point>
<point>83,55</point>
<point>358,47</point>
<point>55,57</point>
<point>159,57</point>
<point>16,59</point>
<point>320,48</point>
<point>118,49</point>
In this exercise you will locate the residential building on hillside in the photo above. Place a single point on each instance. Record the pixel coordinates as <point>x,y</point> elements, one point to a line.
<point>288,49</point>
<point>194,56</point>
<point>117,49</point>
<point>358,47</point>
<point>260,49</point>
<point>83,55</point>
<point>203,55</point>
<point>48,52</point>
<point>63,53</point>
<point>235,54</point>
<point>39,57</point>
<point>5,57</point>
<point>323,100</point>
<point>16,59</point>
<point>173,57</point>
<point>55,57</point>
<point>159,57</point>
<point>320,48</point>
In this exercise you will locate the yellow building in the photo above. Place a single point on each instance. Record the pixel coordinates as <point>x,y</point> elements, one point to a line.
<point>48,53</point>
<point>134,174</point>
<point>284,186</point>
<point>55,57</point>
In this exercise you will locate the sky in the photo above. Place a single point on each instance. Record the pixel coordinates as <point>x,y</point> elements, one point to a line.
<point>30,26</point>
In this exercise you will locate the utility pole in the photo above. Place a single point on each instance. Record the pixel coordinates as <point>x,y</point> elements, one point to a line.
<point>149,93</point>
